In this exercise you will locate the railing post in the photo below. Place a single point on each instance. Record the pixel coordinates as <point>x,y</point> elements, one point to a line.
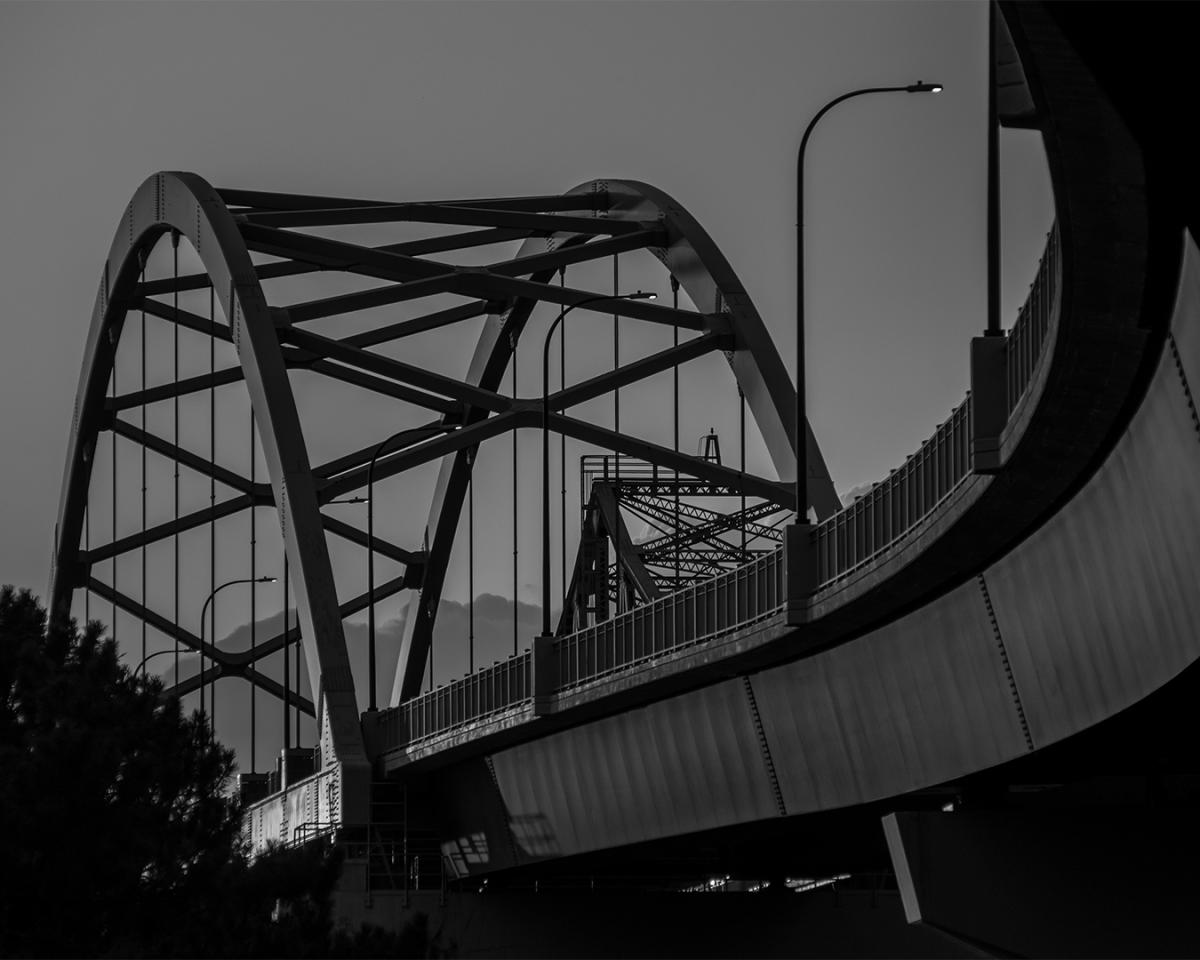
<point>543,674</point>
<point>989,394</point>
<point>800,560</point>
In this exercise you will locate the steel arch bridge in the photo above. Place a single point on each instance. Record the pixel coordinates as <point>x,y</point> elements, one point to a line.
<point>239,242</point>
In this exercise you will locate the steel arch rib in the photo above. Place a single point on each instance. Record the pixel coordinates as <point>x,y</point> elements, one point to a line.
<point>709,281</point>
<point>186,204</point>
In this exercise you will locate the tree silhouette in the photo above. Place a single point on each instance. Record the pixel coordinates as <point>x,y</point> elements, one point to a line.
<point>119,837</point>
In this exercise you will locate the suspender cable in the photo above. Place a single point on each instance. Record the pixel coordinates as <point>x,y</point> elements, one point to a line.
<point>675,418</point>
<point>142,346</point>
<point>175,439</point>
<point>253,608</point>
<point>116,347</point>
<point>425,547</point>
<point>516,542</point>
<point>616,534</point>
<point>471,562</point>
<point>296,685</point>
<point>212,495</point>
<point>287,644</point>
<point>562,446</point>
<point>742,462</point>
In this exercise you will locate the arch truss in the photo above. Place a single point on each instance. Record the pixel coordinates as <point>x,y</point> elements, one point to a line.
<point>237,241</point>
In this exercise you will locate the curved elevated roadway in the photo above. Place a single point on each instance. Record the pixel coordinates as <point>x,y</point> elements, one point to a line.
<point>1033,602</point>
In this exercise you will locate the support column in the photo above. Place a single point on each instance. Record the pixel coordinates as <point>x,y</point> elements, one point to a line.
<point>1113,880</point>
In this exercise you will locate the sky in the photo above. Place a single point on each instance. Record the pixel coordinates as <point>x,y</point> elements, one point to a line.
<point>419,101</point>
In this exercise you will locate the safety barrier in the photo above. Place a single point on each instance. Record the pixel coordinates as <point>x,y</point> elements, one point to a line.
<point>1028,334</point>
<point>493,689</point>
<point>885,514</point>
<point>697,613</point>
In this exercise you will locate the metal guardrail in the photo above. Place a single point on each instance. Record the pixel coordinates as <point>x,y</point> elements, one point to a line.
<point>1028,334</point>
<point>502,686</point>
<point>846,541</point>
<point>695,614</point>
<point>885,514</point>
<point>853,536</point>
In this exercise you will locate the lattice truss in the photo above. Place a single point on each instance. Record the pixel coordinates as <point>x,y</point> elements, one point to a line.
<point>200,271</point>
<point>690,533</point>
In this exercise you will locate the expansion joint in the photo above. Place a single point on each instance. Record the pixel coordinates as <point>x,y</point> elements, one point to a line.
<point>1187,390</point>
<point>764,747</point>
<point>1012,683</point>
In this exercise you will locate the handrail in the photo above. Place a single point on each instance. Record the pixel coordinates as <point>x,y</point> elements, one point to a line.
<point>890,510</point>
<point>741,597</point>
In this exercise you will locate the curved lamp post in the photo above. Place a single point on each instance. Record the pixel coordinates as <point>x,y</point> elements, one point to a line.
<point>145,660</point>
<point>639,295</point>
<point>203,621</point>
<point>801,437</point>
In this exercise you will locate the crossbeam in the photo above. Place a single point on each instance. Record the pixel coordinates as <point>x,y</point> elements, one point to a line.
<point>362,456</point>
<point>467,216</point>
<point>185,318</point>
<point>406,328</point>
<point>153,534</point>
<point>179,388</point>
<point>274,644</point>
<point>188,459</point>
<point>350,532</point>
<point>395,369</point>
<point>781,493</point>
<point>414,456</point>
<point>582,253</point>
<point>629,373</point>
<point>291,268</point>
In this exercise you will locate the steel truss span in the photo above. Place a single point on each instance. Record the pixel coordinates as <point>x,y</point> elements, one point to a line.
<point>241,239</point>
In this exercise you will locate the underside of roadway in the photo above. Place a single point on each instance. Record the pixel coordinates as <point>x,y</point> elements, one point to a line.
<point>1034,644</point>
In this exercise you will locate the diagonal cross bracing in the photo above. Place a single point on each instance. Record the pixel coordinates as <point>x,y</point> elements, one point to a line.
<point>157,621</point>
<point>421,453</point>
<point>347,609</point>
<point>292,268</point>
<point>406,328</point>
<point>172,452</point>
<point>395,369</point>
<point>362,456</point>
<point>185,318</point>
<point>388,388</point>
<point>268,200</point>
<point>780,493</point>
<point>188,522</point>
<point>211,674</point>
<point>368,299</point>
<point>180,388</point>
<point>350,532</point>
<point>338,254</point>
<point>566,256</point>
<point>480,282</point>
<point>605,383</point>
<point>438,213</point>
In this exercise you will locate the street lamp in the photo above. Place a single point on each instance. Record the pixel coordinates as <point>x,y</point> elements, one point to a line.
<point>639,295</point>
<point>801,438</point>
<point>204,614</point>
<point>145,660</point>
